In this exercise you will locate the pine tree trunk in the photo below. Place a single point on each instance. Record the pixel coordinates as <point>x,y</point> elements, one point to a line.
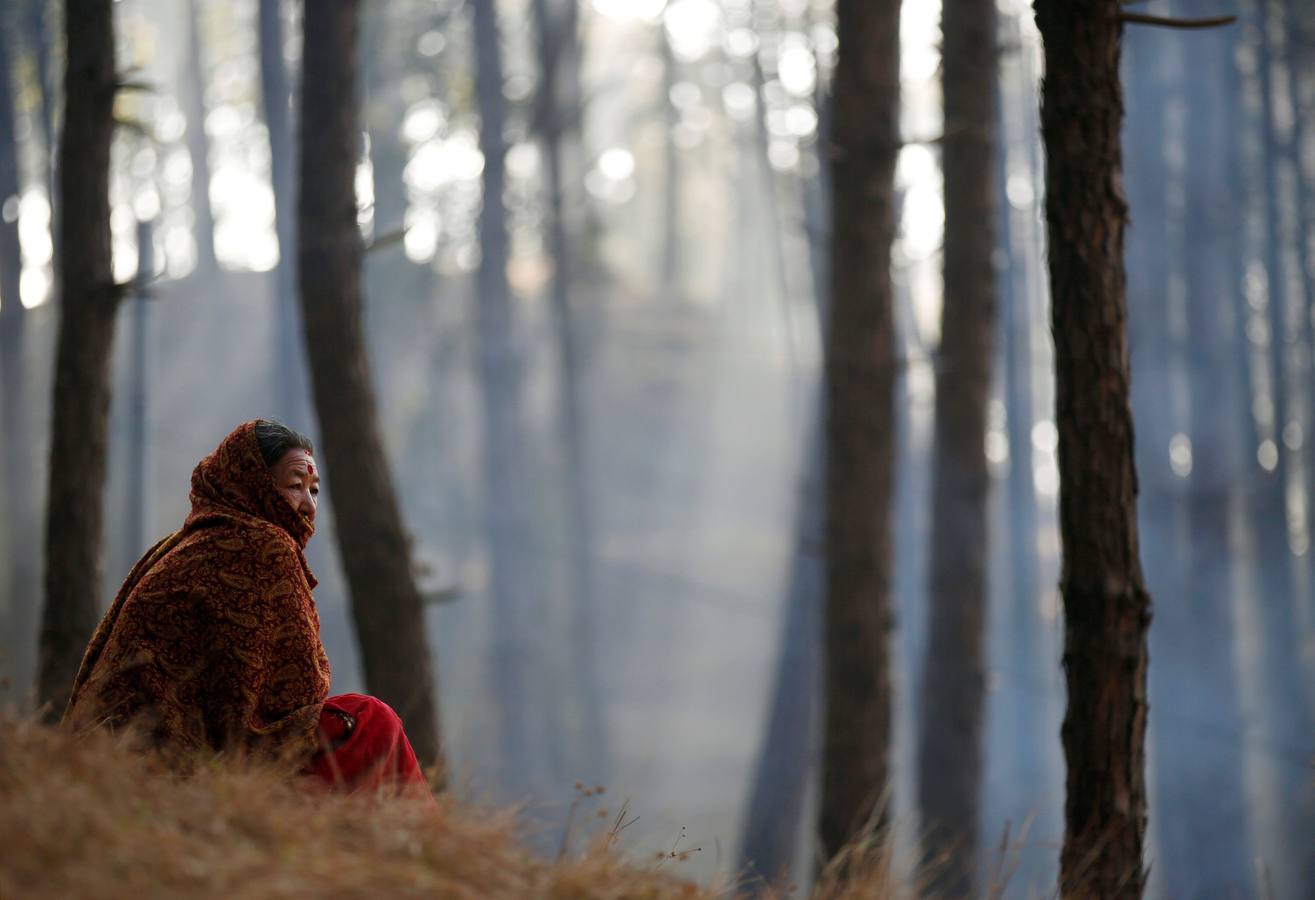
<point>81,404</point>
<point>386,605</point>
<point>860,366</point>
<point>1106,606</point>
<point>954,674</point>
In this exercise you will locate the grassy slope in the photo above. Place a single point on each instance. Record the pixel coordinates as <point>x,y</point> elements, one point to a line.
<point>87,818</point>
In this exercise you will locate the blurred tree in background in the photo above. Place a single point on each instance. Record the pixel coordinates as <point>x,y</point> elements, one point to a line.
<point>80,408</point>
<point>386,604</point>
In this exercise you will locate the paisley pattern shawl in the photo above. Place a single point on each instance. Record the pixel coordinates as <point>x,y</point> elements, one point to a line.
<point>213,642</point>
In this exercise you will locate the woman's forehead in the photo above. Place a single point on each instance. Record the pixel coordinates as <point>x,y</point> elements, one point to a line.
<point>299,460</point>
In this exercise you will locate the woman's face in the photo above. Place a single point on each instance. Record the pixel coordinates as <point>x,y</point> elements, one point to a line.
<point>298,479</point>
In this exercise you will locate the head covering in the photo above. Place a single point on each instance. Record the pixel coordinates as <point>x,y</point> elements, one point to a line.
<point>213,640</point>
<point>233,483</point>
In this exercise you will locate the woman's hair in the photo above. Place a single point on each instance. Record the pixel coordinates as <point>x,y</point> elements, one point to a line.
<point>276,439</point>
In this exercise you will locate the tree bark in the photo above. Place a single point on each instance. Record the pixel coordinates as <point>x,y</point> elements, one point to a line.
<point>954,673</point>
<point>81,403</point>
<point>386,605</point>
<point>859,344</point>
<point>1107,610</point>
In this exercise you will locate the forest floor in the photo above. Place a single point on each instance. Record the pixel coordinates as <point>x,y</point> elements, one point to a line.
<point>86,817</point>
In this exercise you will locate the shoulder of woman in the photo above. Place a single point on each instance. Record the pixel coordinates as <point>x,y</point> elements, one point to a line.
<point>250,551</point>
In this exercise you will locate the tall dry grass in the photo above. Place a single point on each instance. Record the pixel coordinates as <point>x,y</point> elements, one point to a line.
<point>85,817</point>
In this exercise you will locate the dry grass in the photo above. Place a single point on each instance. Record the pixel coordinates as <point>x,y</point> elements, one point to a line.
<point>88,818</point>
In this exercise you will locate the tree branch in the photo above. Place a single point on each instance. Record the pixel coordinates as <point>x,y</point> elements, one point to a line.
<point>1130,18</point>
<point>387,239</point>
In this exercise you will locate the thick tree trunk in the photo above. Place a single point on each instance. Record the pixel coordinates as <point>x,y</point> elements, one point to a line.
<point>81,404</point>
<point>954,673</point>
<point>1107,610</point>
<point>859,345</point>
<point>198,145</point>
<point>386,605</point>
<point>276,97</point>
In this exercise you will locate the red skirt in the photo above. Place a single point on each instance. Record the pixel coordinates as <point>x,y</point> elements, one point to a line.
<point>364,748</point>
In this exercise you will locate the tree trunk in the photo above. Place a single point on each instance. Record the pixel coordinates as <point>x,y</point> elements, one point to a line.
<point>137,519</point>
<point>1206,688</point>
<point>1106,607</point>
<point>515,577</point>
<point>1275,135</point>
<point>198,145</point>
<point>780,778</point>
<point>669,265</point>
<point>775,809</point>
<point>386,605</point>
<point>38,31</point>
<point>557,42</point>
<point>954,673</point>
<point>15,658</point>
<point>276,97</point>
<point>81,404</point>
<point>859,345</point>
<point>11,258</point>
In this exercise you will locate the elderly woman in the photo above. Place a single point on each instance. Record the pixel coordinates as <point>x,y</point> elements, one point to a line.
<point>213,642</point>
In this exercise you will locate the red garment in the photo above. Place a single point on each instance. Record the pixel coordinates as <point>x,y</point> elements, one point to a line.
<point>372,756</point>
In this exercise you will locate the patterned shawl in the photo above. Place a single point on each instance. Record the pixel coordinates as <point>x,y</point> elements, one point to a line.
<point>213,642</point>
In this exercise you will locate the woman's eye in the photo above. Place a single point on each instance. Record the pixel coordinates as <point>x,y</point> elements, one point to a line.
<point>314,492</point>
